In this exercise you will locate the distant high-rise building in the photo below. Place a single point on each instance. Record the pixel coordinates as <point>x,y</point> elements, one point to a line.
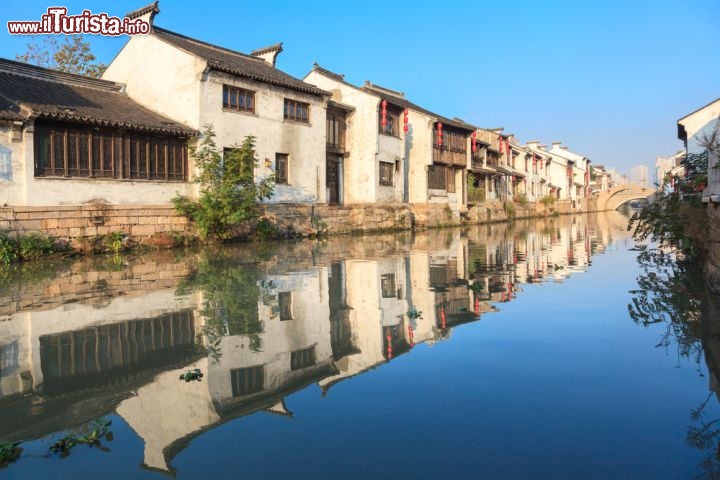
<point>665,165</point>
<point>639,175</point>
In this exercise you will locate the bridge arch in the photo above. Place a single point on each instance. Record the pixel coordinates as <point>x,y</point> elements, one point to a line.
<point>615,197</point>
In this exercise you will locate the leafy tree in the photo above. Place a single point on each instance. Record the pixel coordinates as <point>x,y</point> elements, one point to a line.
<point>677,218</point>
<point>229,194</point>
<point>71,55</point>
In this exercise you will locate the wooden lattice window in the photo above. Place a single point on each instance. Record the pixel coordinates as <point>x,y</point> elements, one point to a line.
<point>297,111</point>
<point>247,380</point>
<point>386,174</point>
<point>300,359</point>
<point>240,99</point>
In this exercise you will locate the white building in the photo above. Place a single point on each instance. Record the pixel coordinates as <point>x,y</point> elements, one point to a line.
<point>398,151</point>
<point>198,84</point>
<point>69,140</point>
<point>696,130</point>
<point>639,175</point>
<point>578,172</point>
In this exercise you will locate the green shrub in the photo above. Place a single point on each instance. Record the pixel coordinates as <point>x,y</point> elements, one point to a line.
<point>8,248</point>
<point>34,245</point>
<point>266,229</point>
<point>228,192</point>
<point>547,200</point>
<point>509,209</point>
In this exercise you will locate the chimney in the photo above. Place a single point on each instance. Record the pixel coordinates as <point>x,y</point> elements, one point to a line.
<point>269,54</point>
<point>146,13</point>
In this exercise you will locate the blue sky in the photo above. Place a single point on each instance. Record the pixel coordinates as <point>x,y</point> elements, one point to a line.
<point>608,78</point>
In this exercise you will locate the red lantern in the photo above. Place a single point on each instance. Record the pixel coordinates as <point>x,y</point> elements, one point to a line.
<point>474,144</point>
<point>443,319</point>
<point>384,114</point>
<point>439,134</point>
<point>405,120</point>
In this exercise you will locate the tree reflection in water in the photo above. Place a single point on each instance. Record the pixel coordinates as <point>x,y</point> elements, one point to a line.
<point>672,291</point>
<point>230,292</point>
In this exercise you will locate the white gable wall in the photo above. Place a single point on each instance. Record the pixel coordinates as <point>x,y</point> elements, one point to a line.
<point>160,77</point>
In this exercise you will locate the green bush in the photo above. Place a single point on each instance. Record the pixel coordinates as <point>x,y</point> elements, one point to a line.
<point>266,229</point>
<point>547,200</point>
<point>25,247</point>
<point>34,245</point>
<point>8,248</point>
<point>228,192</point>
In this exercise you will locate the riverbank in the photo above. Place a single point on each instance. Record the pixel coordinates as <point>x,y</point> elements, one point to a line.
<point>30,232</point>
<point>712,249</point>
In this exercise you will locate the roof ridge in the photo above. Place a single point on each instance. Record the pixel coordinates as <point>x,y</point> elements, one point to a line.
<point>336,76</point>
<point>269,48</point>
<point>206,44</point>
<point>50,75</point>
<point>378,88</point>
<point>153,7</point>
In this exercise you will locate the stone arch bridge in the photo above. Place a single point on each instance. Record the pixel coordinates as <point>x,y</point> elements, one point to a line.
<point>616,196</point>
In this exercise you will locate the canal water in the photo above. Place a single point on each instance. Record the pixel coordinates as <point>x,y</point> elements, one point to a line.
<point>539,349</point>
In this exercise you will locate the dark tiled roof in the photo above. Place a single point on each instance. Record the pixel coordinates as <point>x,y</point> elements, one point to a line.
<point>403,103</point>
<point>236,63</point>
<point>27,91</point>
<point>9,111</point>
<point>337,76</point>
<point>341,106</point>
<point>153,7</point>
<point>272,48</point>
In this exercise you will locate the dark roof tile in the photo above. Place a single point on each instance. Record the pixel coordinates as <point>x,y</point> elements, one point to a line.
<point>236,63</point>
<point>396,99</point>
<point>49,94</point>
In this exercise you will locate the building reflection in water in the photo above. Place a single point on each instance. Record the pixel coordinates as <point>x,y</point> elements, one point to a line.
<point>88,340</point>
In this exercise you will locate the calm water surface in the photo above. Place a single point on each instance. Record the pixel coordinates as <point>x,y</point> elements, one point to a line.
<point>534,355</point>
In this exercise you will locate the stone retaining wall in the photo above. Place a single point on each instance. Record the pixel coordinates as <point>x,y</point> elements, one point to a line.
<point>142,222</point>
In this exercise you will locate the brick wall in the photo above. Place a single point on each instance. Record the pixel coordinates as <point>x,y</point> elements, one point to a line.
<point>94,219</point>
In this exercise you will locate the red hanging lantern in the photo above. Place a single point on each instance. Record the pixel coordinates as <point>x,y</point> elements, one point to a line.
<point>405,120</point>
<point>388,337</point>
<point>473,143</point>
<point>383,120</point>
<point>439,134</point>
<point>443,319</point>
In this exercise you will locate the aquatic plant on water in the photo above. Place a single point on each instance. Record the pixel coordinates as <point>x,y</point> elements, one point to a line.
<point>191,375</point>
<point>92,436</point>
<point>414,314</point>
<point>9,453</point>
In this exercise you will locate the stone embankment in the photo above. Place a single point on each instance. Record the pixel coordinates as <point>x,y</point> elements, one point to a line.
<point>158,224</point>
